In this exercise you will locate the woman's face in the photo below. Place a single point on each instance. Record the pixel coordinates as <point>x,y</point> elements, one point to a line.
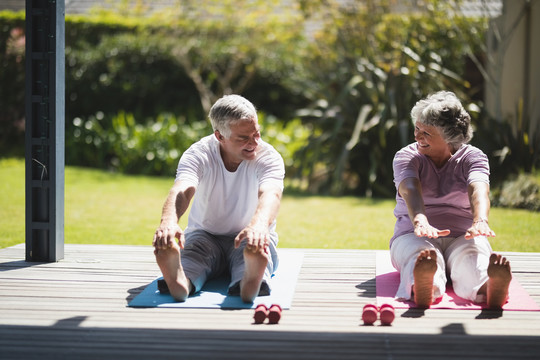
<point>430,141</point>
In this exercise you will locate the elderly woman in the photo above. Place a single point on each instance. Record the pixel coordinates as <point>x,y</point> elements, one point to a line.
<point>442,210</point>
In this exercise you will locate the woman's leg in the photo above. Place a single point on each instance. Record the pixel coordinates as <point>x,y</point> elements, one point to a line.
<point>468,262</point>
<point>407,253</point>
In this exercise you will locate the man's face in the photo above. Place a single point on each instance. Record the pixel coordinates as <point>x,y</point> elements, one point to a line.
<point>243,142</point>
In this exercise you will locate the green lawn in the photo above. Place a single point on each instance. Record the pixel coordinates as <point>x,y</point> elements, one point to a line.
<point>104,208</point>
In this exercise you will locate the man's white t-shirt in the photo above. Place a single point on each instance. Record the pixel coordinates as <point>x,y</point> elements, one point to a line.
<point>225,201</point>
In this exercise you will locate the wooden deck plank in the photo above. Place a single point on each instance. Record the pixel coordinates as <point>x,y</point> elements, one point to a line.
<point>77,308</point>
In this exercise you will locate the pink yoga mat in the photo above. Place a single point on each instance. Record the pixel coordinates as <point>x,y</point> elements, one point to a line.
<point>387,281</point>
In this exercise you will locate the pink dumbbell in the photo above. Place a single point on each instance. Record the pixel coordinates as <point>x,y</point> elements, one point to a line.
<point>261,312</point>
<point>386,314</point>
<point>369,314</point>
<point>274,314</point>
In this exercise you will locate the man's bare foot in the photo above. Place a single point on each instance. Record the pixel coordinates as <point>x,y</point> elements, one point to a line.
<point>500,275</point>
<point>169,263</point>
<point>424,270</point>
<point>253,274</point>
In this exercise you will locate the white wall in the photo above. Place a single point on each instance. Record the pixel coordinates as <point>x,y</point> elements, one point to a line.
<point>514,62</point>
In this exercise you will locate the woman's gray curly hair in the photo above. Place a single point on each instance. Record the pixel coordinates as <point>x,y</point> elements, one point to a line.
<point>444,111</point>
<point>228,110</point>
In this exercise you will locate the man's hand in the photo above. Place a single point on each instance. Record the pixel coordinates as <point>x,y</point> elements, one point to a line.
<point>256,234</point>
<point>257,238</point>
<point>166,234</point>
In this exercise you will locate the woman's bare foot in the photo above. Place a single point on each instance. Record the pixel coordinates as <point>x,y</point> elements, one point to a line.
<point>169,263</point>
<point>424,270</point>
<point>500,275</point>
<point>253,274</point>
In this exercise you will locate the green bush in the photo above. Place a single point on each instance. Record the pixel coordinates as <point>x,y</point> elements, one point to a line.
<point>129,146</point>
<point>352,85</point>
<point>154,147</point>
<point>522,192</point>
<point>512,146</point>
<point>126,72</point>
<point>12,48</point>
<point>368,68</point>
<point>120,64</point>
<point>287,138</point>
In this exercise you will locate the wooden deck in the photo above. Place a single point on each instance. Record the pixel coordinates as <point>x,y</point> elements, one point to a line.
<point>76,309</point>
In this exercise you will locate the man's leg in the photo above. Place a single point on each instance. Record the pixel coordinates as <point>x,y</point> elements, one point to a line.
<point>255,266</point>
<point>251,272</point>
<point>173,273</point>
<point>186,271</point>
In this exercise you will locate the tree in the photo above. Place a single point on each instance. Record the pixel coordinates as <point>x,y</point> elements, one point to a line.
<point>223,46</point>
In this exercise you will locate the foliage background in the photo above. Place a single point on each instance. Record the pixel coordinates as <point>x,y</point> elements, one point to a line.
<point>335,99</point>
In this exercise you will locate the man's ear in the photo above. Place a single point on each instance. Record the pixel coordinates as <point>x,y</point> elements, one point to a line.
<point>219,136</point>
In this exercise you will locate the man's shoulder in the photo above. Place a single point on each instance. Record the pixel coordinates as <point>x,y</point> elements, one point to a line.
<point>207,141</point>
<point>203,146</point>
<point>199,154</point>
<point>267,150</point>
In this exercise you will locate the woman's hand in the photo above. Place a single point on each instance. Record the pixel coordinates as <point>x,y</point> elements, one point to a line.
<point>479,228</point>
<point>422,228</point>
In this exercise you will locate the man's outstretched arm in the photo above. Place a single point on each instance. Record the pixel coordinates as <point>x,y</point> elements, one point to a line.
<point>175,206</point>
<point>256,233</point>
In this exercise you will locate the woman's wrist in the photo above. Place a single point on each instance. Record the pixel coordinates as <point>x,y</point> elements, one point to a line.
<point>419,219</point>
<point>481,220</point>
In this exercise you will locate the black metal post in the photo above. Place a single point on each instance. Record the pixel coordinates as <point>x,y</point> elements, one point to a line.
<point>45,134</point>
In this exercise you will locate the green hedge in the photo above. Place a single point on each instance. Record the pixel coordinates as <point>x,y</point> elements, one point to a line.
<point>116,64</point>
<point>12,82</point>
<point>521,191</point>
<point>363,70</point>
<point>154,147</point>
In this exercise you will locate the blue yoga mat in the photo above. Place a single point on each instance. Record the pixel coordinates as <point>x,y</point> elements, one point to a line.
<point>214,293</point>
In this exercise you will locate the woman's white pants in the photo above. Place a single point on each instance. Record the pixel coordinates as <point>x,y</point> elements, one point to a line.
<point>464,261</point>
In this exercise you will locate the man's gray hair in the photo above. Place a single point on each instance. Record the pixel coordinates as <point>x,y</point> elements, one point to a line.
<point>444,111</point>
<point>229,110</point>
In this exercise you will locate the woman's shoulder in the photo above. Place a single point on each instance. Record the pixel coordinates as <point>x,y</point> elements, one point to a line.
<point>468,148</point>
<point>469,157</point>
<point>408,152</point>
<point>469,151</point>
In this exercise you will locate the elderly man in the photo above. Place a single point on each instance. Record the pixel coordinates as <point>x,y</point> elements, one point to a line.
<point>236,181</point>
